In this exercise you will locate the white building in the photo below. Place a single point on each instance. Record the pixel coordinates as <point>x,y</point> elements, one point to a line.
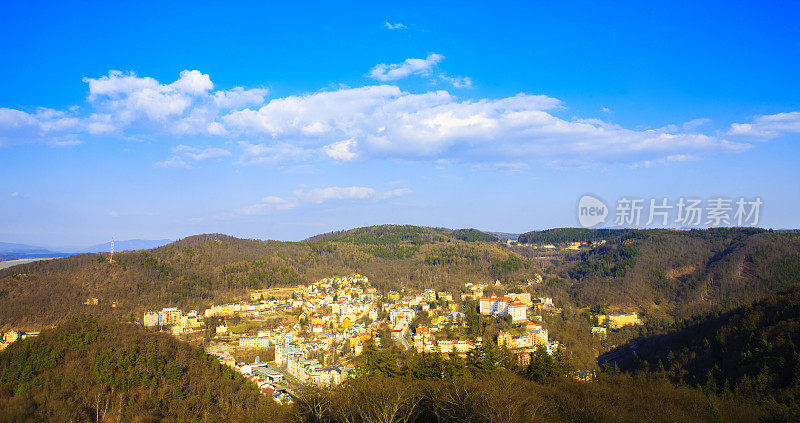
<point>498,306</point>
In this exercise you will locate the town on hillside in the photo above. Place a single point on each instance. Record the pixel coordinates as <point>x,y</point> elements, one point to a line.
<point>284,338</point>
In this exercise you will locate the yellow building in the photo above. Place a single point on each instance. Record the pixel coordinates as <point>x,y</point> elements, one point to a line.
<point>616,321</point>
<point>12,336</point>
<point>253,342</point>
<point>393,296</point>
<point>150,318</point>
<point>346,323</point>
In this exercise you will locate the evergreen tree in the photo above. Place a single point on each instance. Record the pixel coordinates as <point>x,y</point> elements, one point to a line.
<point>562,365</point>
<point>542,368</point>
<point>454,366</point>
<point>476,360</point>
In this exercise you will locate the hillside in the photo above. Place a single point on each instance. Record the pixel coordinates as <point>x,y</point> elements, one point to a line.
<point>749,353</point>
<point>96,369</point>
<point>196,271</point>
<point>672,274</point>
<point>405,235</point>
<point>504,397</point>
<point>665,275</point>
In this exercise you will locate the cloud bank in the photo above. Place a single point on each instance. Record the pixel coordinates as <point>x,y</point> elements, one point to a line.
<point>364,123</point>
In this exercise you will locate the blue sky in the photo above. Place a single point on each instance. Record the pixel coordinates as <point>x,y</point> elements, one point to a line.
<point>152,120</point>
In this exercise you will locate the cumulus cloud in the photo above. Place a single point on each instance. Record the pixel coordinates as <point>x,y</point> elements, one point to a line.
<point>392,72</point>
<point>392,27</point>
<point>185,155</point>
<point>369,122</point>
<point>342,150</point>
<point>418,67</point>
<point>124,104</point>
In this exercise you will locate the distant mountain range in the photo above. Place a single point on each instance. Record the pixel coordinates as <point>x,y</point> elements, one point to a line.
<point>13,251</point>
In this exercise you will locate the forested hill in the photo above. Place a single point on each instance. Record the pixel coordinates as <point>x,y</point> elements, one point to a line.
<point>200,270</point>
<point>663,274</point>
<point>403,234</point>
<point>97,369</point>
<point>676,274</point>
<point>750,354</point>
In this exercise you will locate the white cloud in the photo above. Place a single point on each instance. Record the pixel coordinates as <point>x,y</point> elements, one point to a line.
<point>239,98</point>
<point>185,154</point>
<point>694,124</point>
<point>369,122</point>
<point>15,194</point>
<point>342,150</point>
<point>419,67</point>
<point>271,204</point>
<point>201,153</point>
<point>268,205</point>
<point>175,162</point>
<point>395,71</point>
<point>259,154</point>
<point>394,193</point>
<point>320,195</point>
<point>392,26</point>
<point>689,126</point>
<point>126,102</point>
<point>675,158</point>
<point>457,81</point>
<point>769,126</point>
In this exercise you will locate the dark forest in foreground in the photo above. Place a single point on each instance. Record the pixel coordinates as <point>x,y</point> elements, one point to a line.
<point>92,367</point>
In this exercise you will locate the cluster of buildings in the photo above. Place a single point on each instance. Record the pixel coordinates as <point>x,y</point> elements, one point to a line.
<point>445,346</point>
<point>270,381</point>
<point>254,308</point>
<point>335,317</point>
<point>174,317</point>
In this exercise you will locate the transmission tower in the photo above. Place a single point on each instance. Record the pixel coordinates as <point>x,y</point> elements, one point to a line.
<point>111,258</point>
